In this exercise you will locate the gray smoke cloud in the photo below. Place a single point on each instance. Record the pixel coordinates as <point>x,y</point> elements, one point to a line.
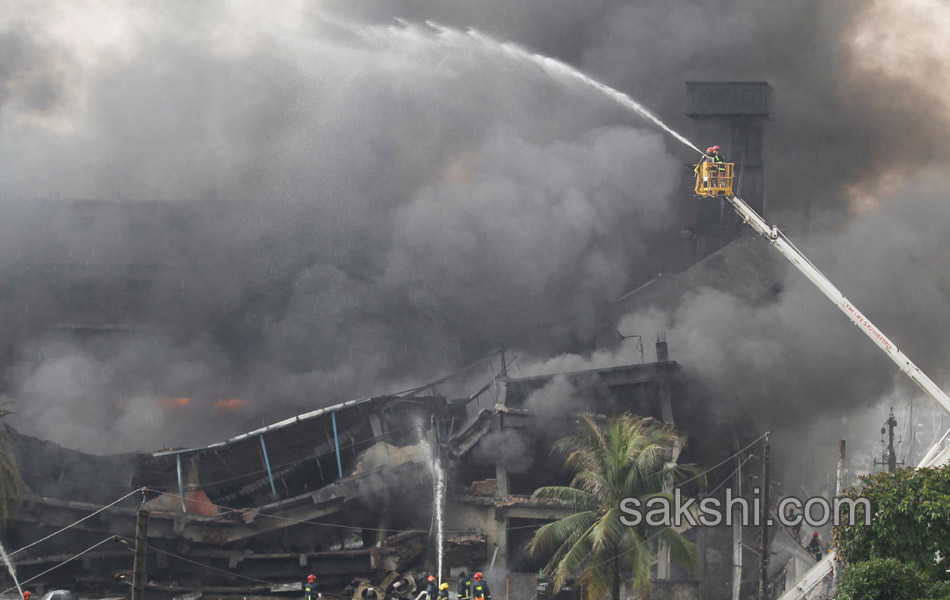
<point>389,204</point>
<point>799,355</point>
<point>796,360</point>
<point>35,74</point>
<point>842,123</point>
<point>509,448</point>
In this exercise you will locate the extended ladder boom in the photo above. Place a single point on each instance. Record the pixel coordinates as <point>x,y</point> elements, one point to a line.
<point>935,456</point>
<point>783,245</point>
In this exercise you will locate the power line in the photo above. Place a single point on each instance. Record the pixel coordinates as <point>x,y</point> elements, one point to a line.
<point>726,480</point>
<point>725,460</point>
<point>126,543</point>
<point>55,533</point>
<point>71,558</point>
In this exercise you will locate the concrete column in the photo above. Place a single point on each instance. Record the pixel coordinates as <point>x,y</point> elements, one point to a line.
<point>376,426</point>
<point>381,526</point>
<point>501,539</point>
<point>666,401</point>
<point>501,474</point>
<point>501,393</point>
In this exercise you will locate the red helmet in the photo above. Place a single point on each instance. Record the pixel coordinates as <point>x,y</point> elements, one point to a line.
<point>715,148</point>
<point>478,576</point>
<point>709,149</point>
<point>431,577</point>
<point>26,594</point>
<point>311,578</point>
<point>814,534</point>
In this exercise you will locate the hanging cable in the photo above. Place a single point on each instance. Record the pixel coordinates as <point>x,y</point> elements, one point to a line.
<point>55,533</point>
<point>71,558</point>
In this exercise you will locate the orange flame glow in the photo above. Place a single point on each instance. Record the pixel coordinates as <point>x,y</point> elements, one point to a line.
<point>229,404</point>
<point>173,403</point>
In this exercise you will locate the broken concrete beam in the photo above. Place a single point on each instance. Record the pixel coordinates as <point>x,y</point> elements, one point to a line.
<point>487,487</point>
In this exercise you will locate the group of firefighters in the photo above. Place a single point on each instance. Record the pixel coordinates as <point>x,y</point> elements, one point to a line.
<point>474,588</point>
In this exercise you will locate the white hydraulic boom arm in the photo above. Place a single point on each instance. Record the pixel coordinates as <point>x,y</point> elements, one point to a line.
<point>934,456</point>
<point>783,245</point>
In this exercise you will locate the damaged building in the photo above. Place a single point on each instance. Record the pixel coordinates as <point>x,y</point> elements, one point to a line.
<point>330,492</point>
<point>345,492</point>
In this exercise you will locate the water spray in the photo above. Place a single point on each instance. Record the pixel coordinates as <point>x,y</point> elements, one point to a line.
<point>406,33</point>
<point>434,464</point>
<point>6,561</point>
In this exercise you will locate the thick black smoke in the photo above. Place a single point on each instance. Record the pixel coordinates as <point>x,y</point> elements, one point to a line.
<point>390,203</point>
<point>797,361</point>
<point>856,99</point>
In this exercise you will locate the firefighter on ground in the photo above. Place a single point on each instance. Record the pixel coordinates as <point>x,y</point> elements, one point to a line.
<point>310,588</point>
<point>814,546</point>
<point>480,589</point>
<point>465,587</point>
<point>444,591</point>
<point>431,590</point>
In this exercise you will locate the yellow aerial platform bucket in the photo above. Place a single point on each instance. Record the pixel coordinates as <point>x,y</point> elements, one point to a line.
<point>714,179</point>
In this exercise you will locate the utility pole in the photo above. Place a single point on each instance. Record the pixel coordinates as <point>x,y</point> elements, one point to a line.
<point>737,528</point>
<point>913,432</point>
<point>764,522</point>
<point>141,546</point>
<point>840,487</point>
<point>891,458</point>
<point>836,576</point>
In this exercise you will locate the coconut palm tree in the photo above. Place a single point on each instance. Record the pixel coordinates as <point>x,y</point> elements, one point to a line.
<point>629,458</point>
<point>11,487</point>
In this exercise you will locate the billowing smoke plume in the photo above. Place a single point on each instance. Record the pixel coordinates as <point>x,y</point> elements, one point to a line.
<point>859,90</point>
<point>385,210</point>
<point>796,359</point>
<point>359,209</point>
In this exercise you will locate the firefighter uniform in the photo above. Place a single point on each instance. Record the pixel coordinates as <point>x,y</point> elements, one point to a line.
<point>465,587</point>
<point>310,591</point>
<point>814,546</point>
<point>480,591</point>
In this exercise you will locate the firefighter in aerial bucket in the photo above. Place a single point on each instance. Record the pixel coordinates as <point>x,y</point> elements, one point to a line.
<point>717,167</point>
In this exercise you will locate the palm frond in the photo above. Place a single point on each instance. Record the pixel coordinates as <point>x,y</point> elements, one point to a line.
<point>574,497</point>
<point>552,535</point>
<point>629,457</point>
<point>682,551</point>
